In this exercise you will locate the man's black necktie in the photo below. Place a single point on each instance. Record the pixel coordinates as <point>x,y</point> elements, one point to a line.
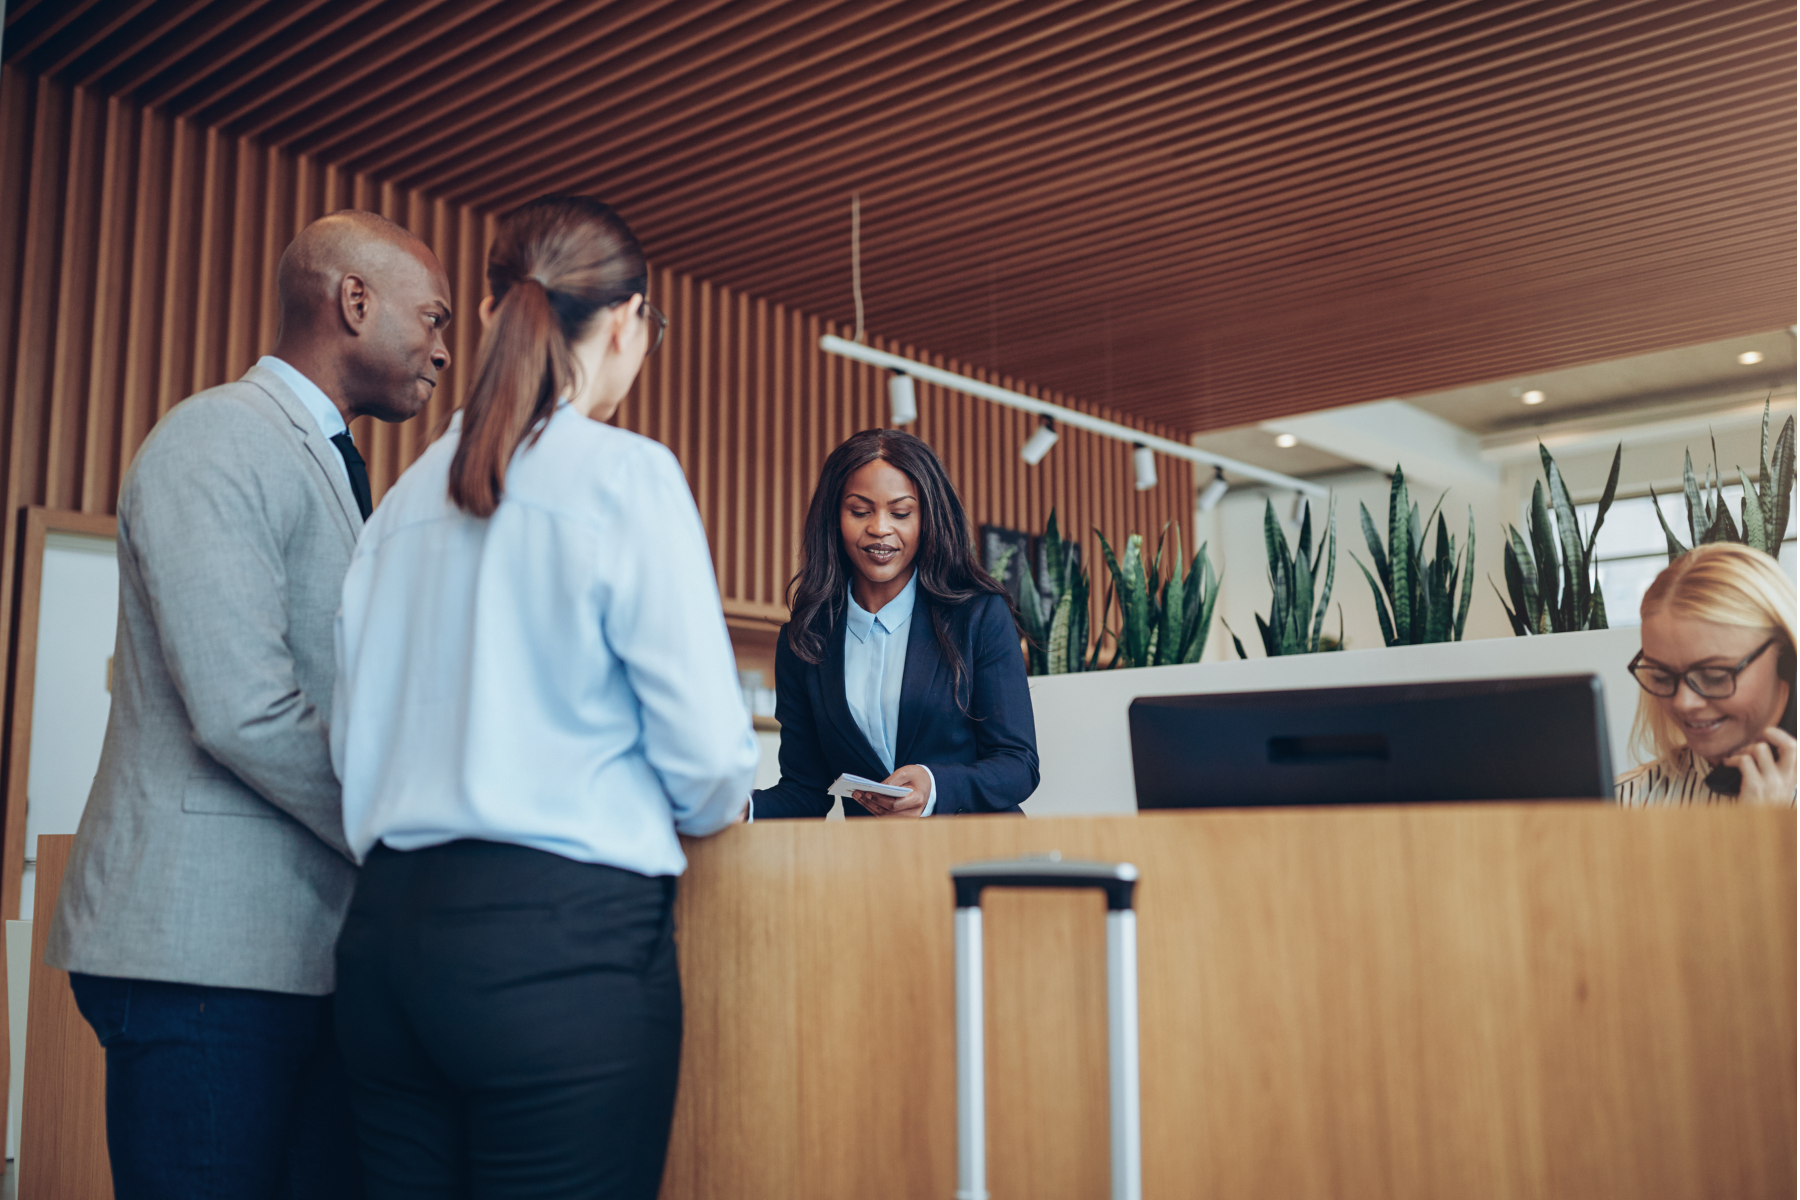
<point>359,472</point>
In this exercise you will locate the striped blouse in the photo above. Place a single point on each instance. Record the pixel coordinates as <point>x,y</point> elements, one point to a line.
<point>1679,779</point>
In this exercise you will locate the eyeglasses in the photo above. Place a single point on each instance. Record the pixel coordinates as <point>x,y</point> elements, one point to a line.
<point>1709,683</point>
<point>650,312</point>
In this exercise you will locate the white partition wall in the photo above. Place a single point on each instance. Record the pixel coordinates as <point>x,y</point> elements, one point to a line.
<point>1084,741</point>
<point>78,614</point>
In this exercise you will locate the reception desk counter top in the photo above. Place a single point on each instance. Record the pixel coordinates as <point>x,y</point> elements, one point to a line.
<point>1553,1000</point>
<point>1449,1001</point>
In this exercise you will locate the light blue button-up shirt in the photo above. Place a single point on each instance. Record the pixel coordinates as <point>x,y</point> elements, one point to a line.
<point>875,669</point>
<point>330,420</point>
<point>556,676</point>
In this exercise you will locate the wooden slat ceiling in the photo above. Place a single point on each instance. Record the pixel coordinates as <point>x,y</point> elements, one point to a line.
<point>1204,214</point>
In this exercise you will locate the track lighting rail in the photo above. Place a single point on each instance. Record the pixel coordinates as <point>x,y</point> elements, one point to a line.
<point>1066,416</point>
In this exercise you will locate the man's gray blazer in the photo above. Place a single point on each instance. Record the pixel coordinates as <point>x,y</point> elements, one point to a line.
<point>212,849</point>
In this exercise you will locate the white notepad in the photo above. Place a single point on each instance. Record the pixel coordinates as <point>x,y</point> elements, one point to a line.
<point>845,784</point>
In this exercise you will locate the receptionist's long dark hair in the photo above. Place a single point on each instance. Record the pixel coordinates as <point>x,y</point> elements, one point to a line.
<point>948,572</point>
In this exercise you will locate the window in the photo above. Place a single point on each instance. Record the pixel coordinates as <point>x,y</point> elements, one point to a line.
<point>1631,548</point>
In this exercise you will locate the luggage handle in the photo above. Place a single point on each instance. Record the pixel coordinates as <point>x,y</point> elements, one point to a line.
<point>1119,882</point>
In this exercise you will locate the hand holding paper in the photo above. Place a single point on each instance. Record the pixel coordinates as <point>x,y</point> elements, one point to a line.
<point>905,793</point>
<point>848,785</point>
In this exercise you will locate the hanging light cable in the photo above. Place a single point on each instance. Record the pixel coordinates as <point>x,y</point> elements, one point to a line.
<point>903,395</point>
<point>856,259</point>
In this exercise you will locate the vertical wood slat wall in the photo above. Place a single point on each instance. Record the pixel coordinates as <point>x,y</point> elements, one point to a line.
<point>751,406</point>
<point>137,259</point>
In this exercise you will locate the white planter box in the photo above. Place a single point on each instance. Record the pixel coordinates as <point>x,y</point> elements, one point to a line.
<point>1084,740</point>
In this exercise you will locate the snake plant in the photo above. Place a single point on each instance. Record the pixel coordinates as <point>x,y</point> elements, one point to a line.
<point>1764,512</point>
<point>1418,602</point>
<point>1553,580</point>
<point>1053,605</point>
<point>1296,616</point>
<point>1161,621</point>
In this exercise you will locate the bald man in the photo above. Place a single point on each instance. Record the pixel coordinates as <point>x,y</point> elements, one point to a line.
<point>210,875</point>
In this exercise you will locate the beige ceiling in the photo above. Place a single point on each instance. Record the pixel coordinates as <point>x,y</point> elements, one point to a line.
<point>1691,379</point>
<point>1705,373</point>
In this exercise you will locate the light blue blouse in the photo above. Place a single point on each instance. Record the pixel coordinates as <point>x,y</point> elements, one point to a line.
<point>875,669</point>
<point>556,676</point>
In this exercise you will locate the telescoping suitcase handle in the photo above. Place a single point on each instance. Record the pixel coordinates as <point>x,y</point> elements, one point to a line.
<point>1118,881</point>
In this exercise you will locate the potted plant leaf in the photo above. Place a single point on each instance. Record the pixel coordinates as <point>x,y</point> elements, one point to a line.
<point>1162,622</point>
<point>1053,604</point>
<point>1296,615</point>
<point>1418,602</point>
<point>1552,579</point>
<point>1764,511</point>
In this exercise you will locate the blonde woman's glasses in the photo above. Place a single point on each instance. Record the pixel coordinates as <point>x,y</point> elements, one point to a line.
<point>1709,683</point>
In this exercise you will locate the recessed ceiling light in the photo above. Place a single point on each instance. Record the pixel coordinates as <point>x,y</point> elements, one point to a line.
<point>1286,441</point>
<point>1750,358</point>
<point>1533,397</point>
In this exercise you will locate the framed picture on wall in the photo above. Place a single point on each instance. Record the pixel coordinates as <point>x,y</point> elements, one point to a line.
<point>995,541</point>
<point>1027,548</point>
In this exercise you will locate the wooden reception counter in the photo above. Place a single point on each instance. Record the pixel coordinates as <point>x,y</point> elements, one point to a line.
<point>1469,1001</point>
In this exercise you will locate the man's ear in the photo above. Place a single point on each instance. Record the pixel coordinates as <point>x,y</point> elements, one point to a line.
<point>355,302</point>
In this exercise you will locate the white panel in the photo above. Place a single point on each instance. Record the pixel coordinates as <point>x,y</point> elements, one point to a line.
<point>1084,738</point>
<point>78,614</point>
<point>1384,432</point>
<point>18,990</point>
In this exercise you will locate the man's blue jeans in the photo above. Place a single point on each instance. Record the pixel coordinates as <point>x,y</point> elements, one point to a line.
<point>221,1093</point>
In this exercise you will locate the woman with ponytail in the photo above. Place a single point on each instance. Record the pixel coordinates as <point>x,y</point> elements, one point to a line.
<point>536,695</point>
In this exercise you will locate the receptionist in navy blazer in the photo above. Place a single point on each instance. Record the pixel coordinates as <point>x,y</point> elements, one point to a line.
<point>902,660</point>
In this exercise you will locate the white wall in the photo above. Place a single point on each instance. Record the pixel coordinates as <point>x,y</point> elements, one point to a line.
<point>1234,532</point>
<point>1084,736</point>
<point>77,620</point>
<point>1642,464</point>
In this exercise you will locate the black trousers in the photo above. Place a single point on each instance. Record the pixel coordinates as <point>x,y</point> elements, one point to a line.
<point>511,1023</point>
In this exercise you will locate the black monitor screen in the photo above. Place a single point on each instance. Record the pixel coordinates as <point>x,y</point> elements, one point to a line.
<point>1489,739</point>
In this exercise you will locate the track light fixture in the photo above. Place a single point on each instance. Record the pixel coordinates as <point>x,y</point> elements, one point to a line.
<point>1144,459</point>
<point>1040,441</point>
<point>903,400</point>
<point>1072,417</point>
<point>1214,491</point>
<point>1298,512</point>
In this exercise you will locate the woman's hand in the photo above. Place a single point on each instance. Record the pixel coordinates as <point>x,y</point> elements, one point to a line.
<point>1767,767</point>
<point>911,776</point>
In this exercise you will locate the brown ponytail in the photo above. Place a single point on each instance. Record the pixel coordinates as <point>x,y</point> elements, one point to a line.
<point>555,264</point>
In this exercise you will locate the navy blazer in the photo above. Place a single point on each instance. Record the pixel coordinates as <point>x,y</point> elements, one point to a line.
<point>984,759</point>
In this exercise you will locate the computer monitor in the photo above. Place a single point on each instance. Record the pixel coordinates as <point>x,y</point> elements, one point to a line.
<point>1486,739</point>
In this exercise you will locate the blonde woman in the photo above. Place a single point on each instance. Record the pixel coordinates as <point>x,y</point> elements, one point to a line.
<point>1717,670</point>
